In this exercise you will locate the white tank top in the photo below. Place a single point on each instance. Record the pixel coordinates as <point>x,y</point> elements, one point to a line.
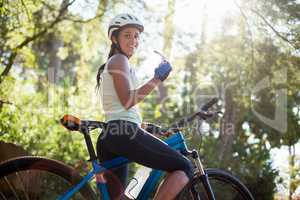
<point>112,106</point>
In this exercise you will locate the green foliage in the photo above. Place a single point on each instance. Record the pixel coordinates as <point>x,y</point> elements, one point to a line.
<point>228,65</point>
<point>34,124</point>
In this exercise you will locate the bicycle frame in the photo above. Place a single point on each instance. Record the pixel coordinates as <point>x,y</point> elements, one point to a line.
<point>175,141</point>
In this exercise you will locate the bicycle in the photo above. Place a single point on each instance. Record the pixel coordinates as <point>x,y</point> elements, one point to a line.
<point>33,177</point>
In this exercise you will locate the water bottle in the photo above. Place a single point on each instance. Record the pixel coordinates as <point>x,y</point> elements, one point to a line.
<point>136,184</point>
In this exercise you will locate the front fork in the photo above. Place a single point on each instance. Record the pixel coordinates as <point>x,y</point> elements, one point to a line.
<point>203,175</point>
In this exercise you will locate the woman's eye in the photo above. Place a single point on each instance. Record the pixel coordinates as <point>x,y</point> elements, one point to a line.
<point>129,36</point>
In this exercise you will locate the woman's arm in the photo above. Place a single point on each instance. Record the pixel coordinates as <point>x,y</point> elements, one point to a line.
<point>118,67</point>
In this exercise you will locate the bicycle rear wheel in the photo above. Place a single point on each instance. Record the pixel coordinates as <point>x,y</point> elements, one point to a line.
<point>224,186</point>
<point>36,178</point>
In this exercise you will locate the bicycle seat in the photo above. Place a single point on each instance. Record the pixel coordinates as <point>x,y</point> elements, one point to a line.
<point>75,124</point>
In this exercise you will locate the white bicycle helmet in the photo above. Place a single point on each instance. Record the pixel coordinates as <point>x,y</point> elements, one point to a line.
<point>122,20</point>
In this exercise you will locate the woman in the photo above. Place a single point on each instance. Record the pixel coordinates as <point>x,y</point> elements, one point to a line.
<point>120,96</point>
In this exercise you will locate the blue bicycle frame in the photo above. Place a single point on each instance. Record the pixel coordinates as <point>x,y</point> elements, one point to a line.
<point>176,141</point>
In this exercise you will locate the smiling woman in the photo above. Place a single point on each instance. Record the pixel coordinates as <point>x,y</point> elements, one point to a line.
<point>129,40</point>
<point>126,135</point>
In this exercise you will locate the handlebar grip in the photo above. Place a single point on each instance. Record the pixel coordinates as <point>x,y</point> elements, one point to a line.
<point>209,104</point>
<point>70,122</point>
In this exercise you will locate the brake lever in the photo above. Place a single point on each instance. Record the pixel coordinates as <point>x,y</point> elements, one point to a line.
<point>161,55</point>
<point>220,112</point>
<point>204,115</point>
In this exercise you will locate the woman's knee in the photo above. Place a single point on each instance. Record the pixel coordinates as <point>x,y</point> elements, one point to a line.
<point>188,169</point>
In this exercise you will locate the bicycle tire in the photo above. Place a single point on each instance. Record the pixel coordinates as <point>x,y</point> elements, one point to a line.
<point>38,178</point>
<point>224,185</point>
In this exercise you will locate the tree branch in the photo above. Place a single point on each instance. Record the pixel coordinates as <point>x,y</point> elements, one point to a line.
<point>273,29</point>
<point>14,53</point>
<point>2,102</point>
<point>26,10</point>
<point>6,102</point>
<point>9,65</point>
<point>84,21</point>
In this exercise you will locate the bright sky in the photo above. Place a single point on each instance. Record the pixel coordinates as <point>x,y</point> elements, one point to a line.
<point>187,20</point>
<point>188,15</point>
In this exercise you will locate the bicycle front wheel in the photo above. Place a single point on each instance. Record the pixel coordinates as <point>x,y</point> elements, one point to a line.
<point>36,178</point>
<point>224,187</point>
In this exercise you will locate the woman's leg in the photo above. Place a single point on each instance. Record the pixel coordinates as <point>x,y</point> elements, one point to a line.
<point>116,178</point>
<point>172,185</point>
<point>138,145</point>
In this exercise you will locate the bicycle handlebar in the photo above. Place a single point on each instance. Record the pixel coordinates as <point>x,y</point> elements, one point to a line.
<point>75,124</point>
<point>203,114</point>
<point>209,104</point>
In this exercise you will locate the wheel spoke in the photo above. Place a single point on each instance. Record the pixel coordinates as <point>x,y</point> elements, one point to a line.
<point>2,196</point>
<point>22,185</point>
<point>223,185</point>
<point>195,195</point>
<point>35,178</point>
<point>11,188</point>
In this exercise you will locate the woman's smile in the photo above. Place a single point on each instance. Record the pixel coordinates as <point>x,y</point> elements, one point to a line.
<point>129,40</point>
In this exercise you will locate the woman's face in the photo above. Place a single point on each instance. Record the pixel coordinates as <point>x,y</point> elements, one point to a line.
<point>128,40</point>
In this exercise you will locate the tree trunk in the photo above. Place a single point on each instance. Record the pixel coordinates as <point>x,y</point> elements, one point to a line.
<point>101,10</point>
<point>168,39</point>
<point>54,44</point>
<point>228,129</point>
<point>196,61</point>
<point>291,170</point>
<point>54,61</point>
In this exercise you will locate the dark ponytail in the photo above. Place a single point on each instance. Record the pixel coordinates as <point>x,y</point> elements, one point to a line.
<point>101,68</point>
<point>98,77</point>
<point>112,51</point>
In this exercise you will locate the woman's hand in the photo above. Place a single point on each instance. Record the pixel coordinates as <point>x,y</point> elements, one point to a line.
<point>163,70</point>
<point>118,67</point>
